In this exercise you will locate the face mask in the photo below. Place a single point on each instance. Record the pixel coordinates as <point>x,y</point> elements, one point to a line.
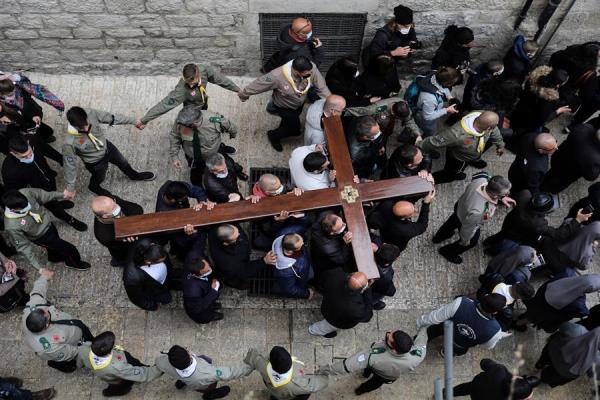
<point>342,229</point>
<point>499,72</point>
<point>356,74</point>
<point>27,160</point>
<point>530,55</point>
<point>222,175</point>
<point>278,191</point>
<point>204,275</point>
<point>308,35</point>
<point>374,138</point>
<point>404,31</point>
<point>26,209</point>
<point>117,211</point>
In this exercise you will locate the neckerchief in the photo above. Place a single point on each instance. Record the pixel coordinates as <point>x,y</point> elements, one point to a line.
<point>201,88</point>
<point>187,372</point>
<point>287,74</point>
<point>99,363</point>
<point>95,141</point>
<point>14,215</point>
<point>467,124</point>
<point>277,379</point>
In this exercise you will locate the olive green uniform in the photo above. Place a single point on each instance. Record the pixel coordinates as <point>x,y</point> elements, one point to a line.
<point>82,145</point>
<point>57,342</point>
<point>186,95</point>
<point>300,384</point>
<point>210,128</point>
<point>381,360</point>
<point>205,374</point>
<point>25,229</point>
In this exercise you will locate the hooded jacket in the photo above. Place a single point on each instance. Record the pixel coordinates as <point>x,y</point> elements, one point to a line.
<point>143,290</point>
<point>516,63</point>
<point>343,81</point>
<point>451,54</point>
<point>291,274</point>
<point>430,105</point>
<point>199,298</point>
<point>593,199</point>
<point>288,49</point>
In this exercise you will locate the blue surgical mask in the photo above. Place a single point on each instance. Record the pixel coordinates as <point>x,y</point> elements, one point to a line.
<point>27,160</point>
<point>222,175</point>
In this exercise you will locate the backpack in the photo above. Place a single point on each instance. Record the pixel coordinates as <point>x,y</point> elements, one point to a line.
<point>411,95</point>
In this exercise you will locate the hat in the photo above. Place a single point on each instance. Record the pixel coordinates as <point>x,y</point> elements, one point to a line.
<point>464,35</point>
<point>544,203</point>
<point>280,359</point>
<point>403,15</point>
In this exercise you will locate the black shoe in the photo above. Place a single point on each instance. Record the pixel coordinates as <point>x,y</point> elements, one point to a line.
<point>145,176</point>
<point>217,393</point>
<point>330,335</point>
<point>83,265</point>
<point>77,224</point>
<point>367,372</point>
<point>9,251</point>
<point>217,305</point>
<point>436,239</point>
<point>16,382</point>
<point>179,384</point>
<point>453,258</point>
<point>479,164</point>
<point>359,390</point>
<point>113,392</point>
<point>228,149</point>
<point>217,316</point>
<point>533,380</point>
<point>380,305</point>
<point>242,176</point>
<point>117,263</point>
<point>66,204</point>
<point>45,394</point>
<point>276,143</point>
<point>461,176</point>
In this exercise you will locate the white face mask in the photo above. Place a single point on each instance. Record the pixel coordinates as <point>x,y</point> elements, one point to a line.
<point>204,275</point>
<point>342,229</point>
<point>376,136</point>
<point>278,191</point>
<point>222,175</point>
<point>308,35</point>
<point>499,72</point>
<point>117,211</point>
<point>404,31</point>
<point>357,73</point>
<point>26,209</point>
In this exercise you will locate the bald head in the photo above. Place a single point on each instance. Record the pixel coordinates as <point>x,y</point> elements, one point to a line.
<point>357,281</point>
<point>403,209</point>
<point>103,206</point>
<point>545,143</point>
<point>334,105</point>
<point>269,183</point>
<point>301,26</point>
<point>487,120</point>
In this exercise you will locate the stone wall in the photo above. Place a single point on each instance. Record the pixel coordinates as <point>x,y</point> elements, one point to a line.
<point>158,36</point>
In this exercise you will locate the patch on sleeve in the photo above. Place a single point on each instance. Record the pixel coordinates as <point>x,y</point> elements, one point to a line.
<point>70,159</point>
<point>268,78</point>
<point>219,373</point>
<point>45,343</point>
<point>361,358</point>
<point>171,101</point>
<point>56,339</point>
<point>381,108</point>
<point>416,352</point>
<point>136,371</point>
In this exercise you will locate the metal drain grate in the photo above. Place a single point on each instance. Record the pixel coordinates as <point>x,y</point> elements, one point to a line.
<point>341,34</point>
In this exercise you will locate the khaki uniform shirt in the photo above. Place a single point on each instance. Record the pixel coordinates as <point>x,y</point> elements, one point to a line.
<point>23,230</point>
<point>382,112</point>
<point>284,95</point>
<point>460,143</point>
<point>212,126</point>
<point>81,145</point>
<point>56,342</point>
<point>186,95</point>
<point>117,369</point>
<point>299,384</point>
<point>381,360</point>
<point>474,208</point>
<point>205,374</point>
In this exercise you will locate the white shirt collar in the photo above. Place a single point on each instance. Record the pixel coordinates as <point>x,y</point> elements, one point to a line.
<point>158,272</point>
<point>187,372</point>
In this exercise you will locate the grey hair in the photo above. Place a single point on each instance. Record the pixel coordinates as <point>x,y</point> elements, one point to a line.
<point>189,114</point>
<point>224,232</point>
<point>498,185</point>
<point>364,125</point>
<point>215,160</point>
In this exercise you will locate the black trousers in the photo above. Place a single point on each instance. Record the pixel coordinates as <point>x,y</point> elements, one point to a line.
<point>549,374</point>
<point>374,383</point>
<point>558,179</point>
<point>435,331</point>
<point>124,386</point>
<point>58,249</point>
<point>447,230</point>
<point>451,169</point>
<point>464,389</point>
<point>289,124</point>
<point>64,366</point>
<point>98,170</point>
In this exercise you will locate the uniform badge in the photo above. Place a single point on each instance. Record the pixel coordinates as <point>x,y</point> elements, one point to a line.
<point>416,352</point>
<point>45,343</point>
<point>286,87</point>
<point>119,358</point>
<point>56,339</point>
<point>467,142</point>
<point>267,78</point>
<point>301,370</point>
<point>23,222</point>
<point>193,93</point>
<point>361,358</point>
<point>219,373</point>
<point>171,101</point>
<point>81,141</point>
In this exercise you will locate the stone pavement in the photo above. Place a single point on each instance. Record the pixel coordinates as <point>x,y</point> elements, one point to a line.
<point>424,279</point>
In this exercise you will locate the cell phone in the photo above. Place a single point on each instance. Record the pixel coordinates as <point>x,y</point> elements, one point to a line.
<point>588,209</point>
<point>538,262</point>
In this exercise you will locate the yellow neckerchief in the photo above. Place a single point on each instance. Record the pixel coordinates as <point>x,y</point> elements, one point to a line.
<point>287,376</point>
<point>104,364</point>
<point>473,132</point>
<point>13,215</point>
<point>201,88</point>
<point>287,74</point>
<point>97,142</point>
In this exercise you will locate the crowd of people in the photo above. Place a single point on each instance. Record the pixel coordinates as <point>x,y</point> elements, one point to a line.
<point>391,132</point>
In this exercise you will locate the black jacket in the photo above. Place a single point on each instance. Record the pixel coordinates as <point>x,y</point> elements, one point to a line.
<point>104,231</point>
<point>593,199</point>
<point>199,298</point>
<point>574,60</point>
<point>385,41</point>
<point>38,174</point>
<point>365,154</point>
<point>232,264</point>
<point>288,49</point>
<point>329,252</point>
<point>579,154</point>
<point>375,82</point>
<point>143,290</point>
<point>395,169</point>
<point>491,384</point>
<point>342,81</point>
<point>394,230</point>
<point>529,167</point>
<point>384,285</point>
<point>218,189</point>
<point>516,63</point>
<point>342,307</point>
<point>450,54</point>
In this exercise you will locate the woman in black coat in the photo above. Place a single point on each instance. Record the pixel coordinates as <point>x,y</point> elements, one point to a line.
<point>342,79</point>
<point>455,49</point>
<point>577,59</point>
<point>380,78</point>
<point>148,277</point>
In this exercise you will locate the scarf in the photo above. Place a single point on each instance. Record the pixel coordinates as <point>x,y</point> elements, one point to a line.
<point>467,125</point>
<point>95,141</point>
<point>98,362</point>
<point>506,262</point>
<point>201,89</point>
<point>38,91</point>
<point>287,74</point>
<point>187,372</point>
<point>562,292</point>
<point>579,249</point>
<point>15,215</point>
<point>572,351</point>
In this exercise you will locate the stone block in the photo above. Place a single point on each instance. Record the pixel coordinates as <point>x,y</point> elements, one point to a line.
<point>157,42</point>
<point>203,32</point>
<point>125,32</point>
<point>302,6</point>
<point>21,34</point>
<point>83,43</point>
<point>61,20</point>
<point>13,45</point>
<point>25,21</point>
<point>111,42</point>
<point>44,43</point>
<point>40,6</point>
<point>176,32</point>
<point>87,33</point>
<point>201,5</point>
<point>105,21</point>
<point>195,43</point>
<point>223,41</point>
<point>146,21</point>
<point>175,55</point>
<point>221,20</point>
<point>164,5</point>
<point>232,7</point>
<point>195,20</point>
<point>82,6</point>
<point>100,55</point>
<point>130,43</point>
<point>125,6</point>
<point>214,53</point>
<point>13,56</point>
<point>42,56</point>
<point>56,33</point>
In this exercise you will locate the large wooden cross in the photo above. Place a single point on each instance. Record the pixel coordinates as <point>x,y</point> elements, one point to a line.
<point>347,194</point>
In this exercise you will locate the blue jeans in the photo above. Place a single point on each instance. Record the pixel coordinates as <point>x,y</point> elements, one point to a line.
<point>8,391</point>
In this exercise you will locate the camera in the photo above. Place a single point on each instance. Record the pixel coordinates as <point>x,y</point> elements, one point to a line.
<point>415,45</point>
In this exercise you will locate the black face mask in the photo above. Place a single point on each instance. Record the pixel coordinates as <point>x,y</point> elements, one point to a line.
<point>182,203</point>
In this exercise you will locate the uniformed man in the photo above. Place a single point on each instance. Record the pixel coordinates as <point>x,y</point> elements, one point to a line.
<point>284,375</point>
<point>385,360</point>
<point>26,221</point>
<point>52,334</point>
<point>466,142</point>
<point>198,372</point>
<point>290,84</point>
<point>86,140</point>
<point>199,134</point>
<point>191,89</point>
<point>114,365</point>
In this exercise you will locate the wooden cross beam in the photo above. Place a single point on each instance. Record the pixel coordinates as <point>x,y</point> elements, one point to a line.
<point>347,194</point>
